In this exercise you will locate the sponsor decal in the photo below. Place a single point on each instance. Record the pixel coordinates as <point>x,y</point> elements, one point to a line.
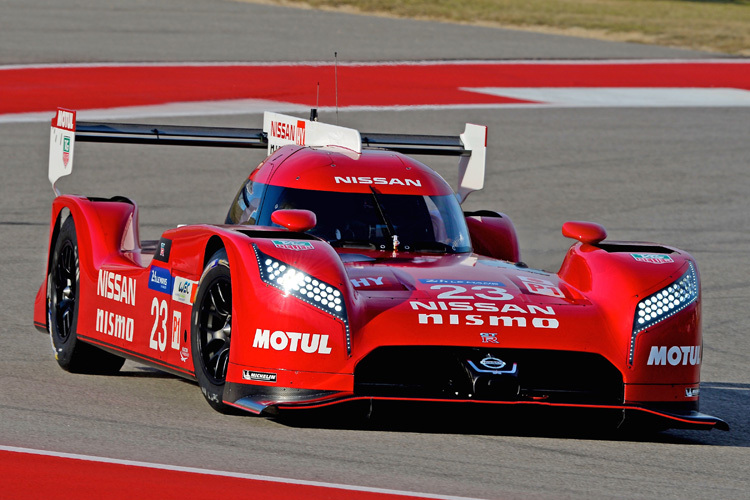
<point>675,355</point>
<point>440,305</point>
<point>389,181</point>
<point>510,317</point>
<point>289,131</point>
<point>114,325</point>
<point>116,287</point>
<point>258,376</point>
<point>489,338</point>
<point>460,282</point>
<point>160,279</point>
<point>162,251</point>
<point>184,354</point>
<point>292,341</point>
<point>66,119</point>
<point>541,286</point>
<point>484,320</point>
<point>184,290</point>
<point>492,363</point>
<point>293,245</point>
<point>176,328</point>
<point>363,282</point>
<point>692,392</point>
<point>66,150</point>
<point>652,258</point>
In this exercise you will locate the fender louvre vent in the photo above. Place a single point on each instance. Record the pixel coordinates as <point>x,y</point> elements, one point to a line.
<point>634,248</point>
<point>276,235</point>
<point>114,199</point>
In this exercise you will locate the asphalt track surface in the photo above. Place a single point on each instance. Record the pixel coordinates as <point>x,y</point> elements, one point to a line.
<point>672,175</point>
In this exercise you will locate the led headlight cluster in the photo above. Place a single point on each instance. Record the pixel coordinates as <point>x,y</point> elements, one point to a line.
<point>301,285</point>
<point>665,303</point>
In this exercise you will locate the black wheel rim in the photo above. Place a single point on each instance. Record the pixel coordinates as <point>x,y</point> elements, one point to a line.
<point>215,329</point>
<point>64,289</point>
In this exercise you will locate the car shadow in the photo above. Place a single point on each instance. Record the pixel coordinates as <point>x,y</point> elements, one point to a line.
<point>140,371</point>
<point>728,401</point>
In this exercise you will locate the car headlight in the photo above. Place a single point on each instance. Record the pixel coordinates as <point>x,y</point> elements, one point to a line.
<point>665,303</point>
<point>304,287</point>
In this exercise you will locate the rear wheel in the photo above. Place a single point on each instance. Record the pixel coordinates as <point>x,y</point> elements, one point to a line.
<point>212,330</point>
<point>62,297</point>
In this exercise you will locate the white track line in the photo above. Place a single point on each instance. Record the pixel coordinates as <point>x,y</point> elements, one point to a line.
<point>240,475</point>
<point>624,97</point>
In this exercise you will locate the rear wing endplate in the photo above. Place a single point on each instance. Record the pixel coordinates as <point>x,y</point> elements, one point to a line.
<point>278,130</point>
<point>61,141</point>
<point>471,147</point>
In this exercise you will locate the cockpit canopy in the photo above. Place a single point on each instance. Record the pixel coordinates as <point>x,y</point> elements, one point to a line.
<point>365,212</point>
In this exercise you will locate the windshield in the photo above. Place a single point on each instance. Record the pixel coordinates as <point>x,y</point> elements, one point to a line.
<point>371,220</point>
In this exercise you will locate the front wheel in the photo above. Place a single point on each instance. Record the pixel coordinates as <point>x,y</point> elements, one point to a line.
<point>62,301</point>
<point>212,330</point>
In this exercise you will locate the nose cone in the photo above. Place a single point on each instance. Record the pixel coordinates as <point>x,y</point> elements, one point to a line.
<point>459,301</point>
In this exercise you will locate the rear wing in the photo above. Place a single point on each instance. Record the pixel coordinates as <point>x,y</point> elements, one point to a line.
<point>278,130</point>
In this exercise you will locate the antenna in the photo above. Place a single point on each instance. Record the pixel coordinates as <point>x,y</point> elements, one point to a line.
<point>336,82</point>
<point>314,111</point>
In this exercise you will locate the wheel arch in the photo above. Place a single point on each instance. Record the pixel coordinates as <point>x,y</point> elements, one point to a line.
<point>41,304</point>
<point>214,244</point>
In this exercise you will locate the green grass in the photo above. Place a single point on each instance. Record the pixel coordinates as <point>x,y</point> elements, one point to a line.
<point>713,25</point>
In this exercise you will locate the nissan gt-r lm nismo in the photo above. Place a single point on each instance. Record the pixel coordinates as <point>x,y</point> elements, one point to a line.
<point>346,270</point>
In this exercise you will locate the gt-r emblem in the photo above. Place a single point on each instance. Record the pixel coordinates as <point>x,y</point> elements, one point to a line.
<point>492,363</point>
<point>489,338</point>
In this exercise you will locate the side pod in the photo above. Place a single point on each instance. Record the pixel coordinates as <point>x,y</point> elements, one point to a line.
<point>105,227</point>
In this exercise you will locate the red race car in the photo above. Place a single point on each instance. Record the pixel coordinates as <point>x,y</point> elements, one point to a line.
<point>346,270</point>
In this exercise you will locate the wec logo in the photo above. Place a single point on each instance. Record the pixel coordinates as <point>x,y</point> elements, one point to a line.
<point>184,290</point>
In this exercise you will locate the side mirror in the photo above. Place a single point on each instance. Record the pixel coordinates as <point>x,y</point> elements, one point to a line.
<point>295,220</point>
<point>585,232</point>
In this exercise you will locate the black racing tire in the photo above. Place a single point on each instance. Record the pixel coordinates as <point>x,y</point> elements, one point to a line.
<point>63,283</point>
<point>211,330</point>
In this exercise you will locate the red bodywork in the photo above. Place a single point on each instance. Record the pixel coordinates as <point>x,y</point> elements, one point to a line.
<point>401,308</point>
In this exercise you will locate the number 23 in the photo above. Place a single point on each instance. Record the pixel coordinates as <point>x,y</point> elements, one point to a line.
<point>491,292</point>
